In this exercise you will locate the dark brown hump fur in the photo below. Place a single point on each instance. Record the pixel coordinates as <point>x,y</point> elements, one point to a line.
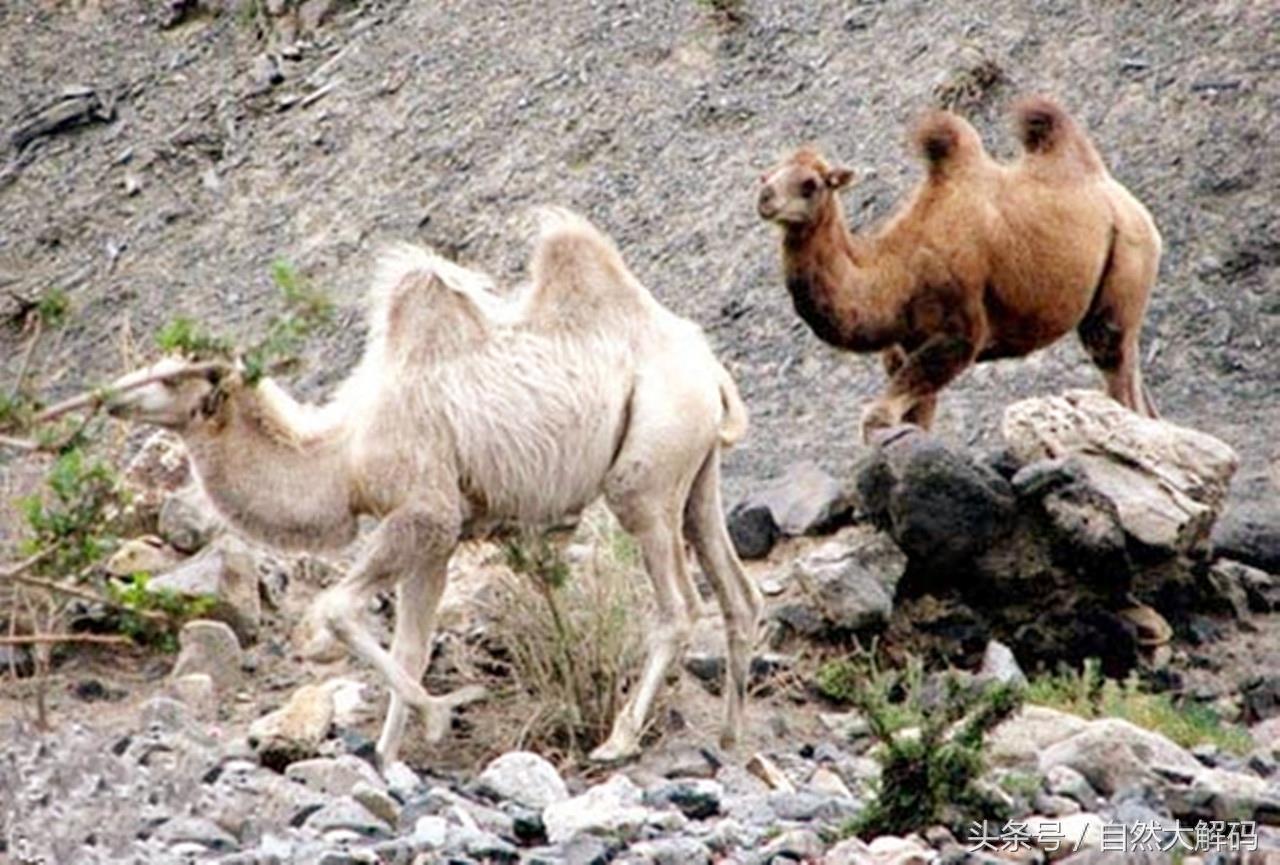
<point>1045,128</point>
<point>944,139</point>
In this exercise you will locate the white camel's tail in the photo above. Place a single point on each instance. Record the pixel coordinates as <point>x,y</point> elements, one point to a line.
<point>733,426</point>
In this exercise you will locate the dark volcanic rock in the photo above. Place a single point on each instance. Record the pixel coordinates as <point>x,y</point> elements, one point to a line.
<point>938,503</point>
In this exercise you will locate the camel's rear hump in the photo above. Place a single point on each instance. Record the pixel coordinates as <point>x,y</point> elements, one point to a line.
<point>579,277</point>
<point>1045,129</point>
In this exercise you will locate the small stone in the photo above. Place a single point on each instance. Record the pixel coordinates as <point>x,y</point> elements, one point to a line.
<point>147,554</point>
<point>524,777</point>
<point>313,13</point>
<point>188,520</point>
<point>294,731</point>
<point>197,691</point>
<point>378,803</point>
<point>196,830</point>
<point>431,831</point>
<point>333,776</point>
<point>348,814</point>
<point>697,799</point>
<point>401,780</point>
<point>828,783</point>
<point>804,500</point>
<point>752,531</point>
<point>804,845</point>
<point>999,664</point>
<point>768,772</point>
<point>209,648</point>
<point>673,851</point>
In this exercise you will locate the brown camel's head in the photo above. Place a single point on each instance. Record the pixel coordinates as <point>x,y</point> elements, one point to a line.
<point>173,393</point>
<point>794,192</point>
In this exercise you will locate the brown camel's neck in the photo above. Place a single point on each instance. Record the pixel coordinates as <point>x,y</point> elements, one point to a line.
<point>829,274</point>
<point>273,475</point>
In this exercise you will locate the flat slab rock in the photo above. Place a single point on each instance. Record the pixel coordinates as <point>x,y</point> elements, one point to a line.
<point>1168,482</point>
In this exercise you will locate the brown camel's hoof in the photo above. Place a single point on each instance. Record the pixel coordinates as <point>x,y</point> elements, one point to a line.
<point>1152,628</point>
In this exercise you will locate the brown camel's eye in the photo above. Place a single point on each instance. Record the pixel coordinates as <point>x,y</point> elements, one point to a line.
<point>809,187</point>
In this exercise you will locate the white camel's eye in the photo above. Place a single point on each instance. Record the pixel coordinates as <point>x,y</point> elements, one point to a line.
<point>809,187</point>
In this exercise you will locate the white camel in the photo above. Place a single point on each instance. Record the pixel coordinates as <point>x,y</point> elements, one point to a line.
<point>469,414</point>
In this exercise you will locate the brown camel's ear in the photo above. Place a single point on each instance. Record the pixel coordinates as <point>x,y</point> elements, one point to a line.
<point>839,177</point>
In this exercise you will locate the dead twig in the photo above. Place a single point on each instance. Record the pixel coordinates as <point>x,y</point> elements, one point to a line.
<point>85,595</point>
<point>100,639</point>
<point>26,564</point>
<point>95,399</point>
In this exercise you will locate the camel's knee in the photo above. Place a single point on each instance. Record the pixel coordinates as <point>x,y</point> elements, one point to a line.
<point>318,634</point>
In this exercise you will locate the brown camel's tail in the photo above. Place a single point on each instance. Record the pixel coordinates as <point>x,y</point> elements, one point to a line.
<point>1046,129</point>
<point>946,141</point>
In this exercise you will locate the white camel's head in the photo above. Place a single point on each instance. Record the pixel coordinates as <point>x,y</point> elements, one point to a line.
<point>793,192</point>
<point>173,393</point>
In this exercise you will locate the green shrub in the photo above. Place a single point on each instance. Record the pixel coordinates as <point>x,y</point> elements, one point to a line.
<point>930,756</point>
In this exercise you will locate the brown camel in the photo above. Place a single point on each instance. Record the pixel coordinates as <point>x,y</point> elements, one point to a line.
<point>985,261</point>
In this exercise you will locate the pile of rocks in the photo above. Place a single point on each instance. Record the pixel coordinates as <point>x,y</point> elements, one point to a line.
<point>174,789</point>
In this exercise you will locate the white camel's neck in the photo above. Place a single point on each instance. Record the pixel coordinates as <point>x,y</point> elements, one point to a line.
<point>274,473</point>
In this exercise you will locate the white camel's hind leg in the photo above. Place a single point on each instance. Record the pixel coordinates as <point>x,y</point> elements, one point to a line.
<point>739,598</point>
<point>659,538</point>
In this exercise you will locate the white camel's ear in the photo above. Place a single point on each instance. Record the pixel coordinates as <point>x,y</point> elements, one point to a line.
<point>839,177</point>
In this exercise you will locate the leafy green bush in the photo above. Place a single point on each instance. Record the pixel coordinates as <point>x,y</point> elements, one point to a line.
<point>135,598</point>
<point>930,755</point>
<point>74,524</point>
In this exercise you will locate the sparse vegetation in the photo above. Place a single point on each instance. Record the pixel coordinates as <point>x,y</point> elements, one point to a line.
<point>136,598</point>
<point>1089,694</point>
<point>570,636</point>
<point>305,309</point>
<point>930,752</point>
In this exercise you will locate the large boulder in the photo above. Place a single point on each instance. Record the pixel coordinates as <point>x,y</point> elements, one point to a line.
<point>1114,754</point>
<point>226,573</point>
<point>938,502</point>
<point>1168,482</point>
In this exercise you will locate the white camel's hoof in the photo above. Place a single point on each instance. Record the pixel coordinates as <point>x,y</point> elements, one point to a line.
<point>614,752</point>
<point>438,711</point>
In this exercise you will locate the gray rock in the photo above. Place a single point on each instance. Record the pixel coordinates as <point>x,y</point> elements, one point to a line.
<point>227,573</point>
<point>401,780</point>
<point>1114,754</point>
<point>1168,483</point>
<point>377,801</point>
<point>805,500</point>
<point>197,691</point>
<point>999,664</point>
<point>524,777</point>
<point>1249,532</point>
<point>1067,782</point>
<point>697,799</point>
<point>188,520</point>
<point>346,813</point>
<point>614,807</point>
<point>431,831</point>
<point>333,776</point>
<point>196,830</point>
<point>804,845</point>
<point>846,585</point>
<point>212,649</point>
<point>752,530</point>
<point>673,851</point>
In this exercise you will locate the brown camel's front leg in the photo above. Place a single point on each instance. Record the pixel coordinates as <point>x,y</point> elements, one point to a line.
<point>922,412</point>
<point>913,387</point>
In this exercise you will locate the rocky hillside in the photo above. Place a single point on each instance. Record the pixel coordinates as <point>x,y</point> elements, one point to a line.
<point>158,157</point>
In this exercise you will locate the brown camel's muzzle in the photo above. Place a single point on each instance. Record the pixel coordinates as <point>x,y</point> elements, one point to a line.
<point>767,202</point>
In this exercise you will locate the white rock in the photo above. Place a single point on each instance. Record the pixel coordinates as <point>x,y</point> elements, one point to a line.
<point>1168,482</point>
<point>212,649</point>
<point>334,776</point>
<point>1020,740</point>
<point>1113,754</point>
<point>1060,837</point>
<point>526,778</point>
<point>197,691</point>
<point>431,831</point>
<point>401,780</point>
<point>609,808</point>
<point>999,663</point>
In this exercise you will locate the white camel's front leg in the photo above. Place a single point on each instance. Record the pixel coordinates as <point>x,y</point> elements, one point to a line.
<point>415,541</point>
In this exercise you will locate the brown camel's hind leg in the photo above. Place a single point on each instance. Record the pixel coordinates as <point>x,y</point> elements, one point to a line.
<point>922,412</point>
<point>1111,328</point>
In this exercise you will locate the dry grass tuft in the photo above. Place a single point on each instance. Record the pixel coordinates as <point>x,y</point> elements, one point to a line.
<point>567,638</point>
